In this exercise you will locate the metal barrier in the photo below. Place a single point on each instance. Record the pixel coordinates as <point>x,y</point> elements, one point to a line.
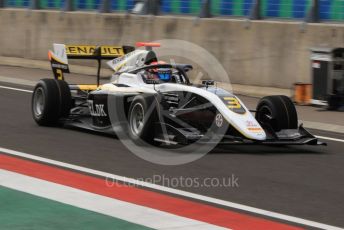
<point>331,9</point>
<point>323,10</point>
<point>181,6</point>
<point>286,9</point>
<point>18,4</point>
<point>232,8</point>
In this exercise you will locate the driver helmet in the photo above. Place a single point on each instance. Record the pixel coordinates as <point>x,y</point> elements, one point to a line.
<point>164,74</point>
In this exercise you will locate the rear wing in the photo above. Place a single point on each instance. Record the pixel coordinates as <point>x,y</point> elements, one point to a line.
<point>59,58</point>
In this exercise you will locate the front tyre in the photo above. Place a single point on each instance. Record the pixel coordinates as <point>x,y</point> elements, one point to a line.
<point>141,118</point>
<point>278,112</point>
<point>51,100</point>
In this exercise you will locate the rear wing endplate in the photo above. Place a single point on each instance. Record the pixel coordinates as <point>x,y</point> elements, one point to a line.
<point>59,58</point>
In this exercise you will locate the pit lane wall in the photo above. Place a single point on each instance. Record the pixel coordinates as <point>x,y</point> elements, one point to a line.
<point>262,53</point>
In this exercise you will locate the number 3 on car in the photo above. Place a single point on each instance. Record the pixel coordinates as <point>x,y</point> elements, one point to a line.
<point>232,103</point>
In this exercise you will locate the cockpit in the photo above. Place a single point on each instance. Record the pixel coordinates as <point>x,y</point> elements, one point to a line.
<point>163,73</point>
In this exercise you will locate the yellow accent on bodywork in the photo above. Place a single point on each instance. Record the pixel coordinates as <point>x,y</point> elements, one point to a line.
<point>88,87</point>
<point>59,74</point>
<point>88,50</point>
<point>232,103</point>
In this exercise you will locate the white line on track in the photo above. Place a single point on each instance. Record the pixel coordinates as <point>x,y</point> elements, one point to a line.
<point>229,204</point>
<point>330,138</point>
<point>16,89</point>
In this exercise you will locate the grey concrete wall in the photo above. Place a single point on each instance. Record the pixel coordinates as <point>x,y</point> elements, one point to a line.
<point>262,53</point>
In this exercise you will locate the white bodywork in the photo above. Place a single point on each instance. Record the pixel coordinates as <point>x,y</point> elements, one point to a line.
<point>245,123</point>
<point>59,53</point>
<point>129,61</point>
<point>241,122</point>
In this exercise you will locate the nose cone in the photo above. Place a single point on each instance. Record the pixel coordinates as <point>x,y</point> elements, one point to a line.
<point>247,125</point>
<point>252,128</point>
<point>256,133</point>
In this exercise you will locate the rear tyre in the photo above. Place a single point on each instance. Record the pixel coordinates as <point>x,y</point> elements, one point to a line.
<point>51,100</point>
<point>141,117</point>
<point>278,112</point>
<point>65,98</point>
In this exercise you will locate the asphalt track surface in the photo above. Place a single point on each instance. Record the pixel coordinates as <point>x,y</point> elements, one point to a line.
<point>304,181</point>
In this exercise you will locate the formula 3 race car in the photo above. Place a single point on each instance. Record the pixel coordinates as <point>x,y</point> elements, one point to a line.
<point>155,102</point>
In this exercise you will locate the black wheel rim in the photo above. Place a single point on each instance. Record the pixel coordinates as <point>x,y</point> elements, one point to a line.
<point>38,102</point>
<point>137,119</point>
<point>265,116</point>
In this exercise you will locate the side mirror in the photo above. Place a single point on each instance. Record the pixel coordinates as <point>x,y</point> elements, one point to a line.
<point>208,82</point>
<point>187,68</point>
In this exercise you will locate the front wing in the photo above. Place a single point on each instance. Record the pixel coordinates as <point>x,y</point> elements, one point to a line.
<point>298,136</point>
